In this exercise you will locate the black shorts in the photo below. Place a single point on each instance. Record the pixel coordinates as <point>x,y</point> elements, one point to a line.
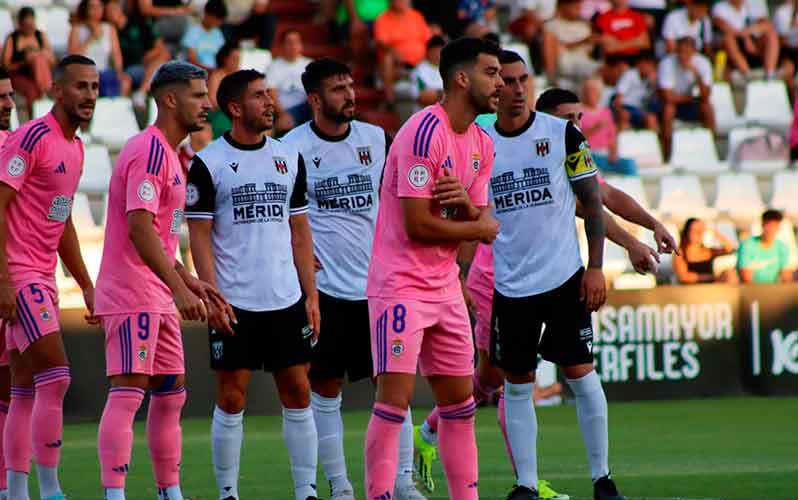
<point>263,340</point>
<point>516,325</point>
<point>344,346</point>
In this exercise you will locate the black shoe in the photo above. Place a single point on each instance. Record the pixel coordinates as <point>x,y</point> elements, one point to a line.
<point>604,489</point>
<point>230,498</point>
<point>523,493</point>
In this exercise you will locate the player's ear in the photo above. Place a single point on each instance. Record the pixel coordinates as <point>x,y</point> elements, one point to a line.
<point>462,78</point>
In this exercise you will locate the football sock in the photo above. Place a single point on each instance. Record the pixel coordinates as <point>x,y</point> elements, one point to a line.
<point>3,480</point>
<point>227,434</point>
<point>501,416</point>
<point>165,439</point>
<point>170,493</point>
<point>18,442</point>
<point>382,450</point>
<point>458,449</point>
<point>522,431</point>
<point>591,411</point>
<point>17,485</point>
<point>330,429</point>
<point>114,494</point>
<point>299,433</point>
<point>115,436</point>
<point>404,472</point>
<point>47,420</point>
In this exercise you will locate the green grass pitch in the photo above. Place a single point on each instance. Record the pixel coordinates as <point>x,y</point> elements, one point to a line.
<point>738,448</point>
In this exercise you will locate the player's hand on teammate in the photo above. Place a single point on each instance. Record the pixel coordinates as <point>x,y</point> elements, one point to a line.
<point>665,241</point>
<point>314,316</point>
<point>88,299</point>
<point>594,289</point>
<point>488,226</point>
<point>8,302</point>
<point>189,305</point>
<point>317,264</point>
<point>644,258</point>
<point>220,313</point>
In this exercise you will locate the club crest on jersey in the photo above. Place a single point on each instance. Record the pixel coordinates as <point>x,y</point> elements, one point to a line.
<point>281,165</point>
<point>44,313</point>
<point>316,161</point>
<point>364,155</point>
<point>16,166</point>
<point>543,147</point>
<point>397,348</point>
<point>475,161</point>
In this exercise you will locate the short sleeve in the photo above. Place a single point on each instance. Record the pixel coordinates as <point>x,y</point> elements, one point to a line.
<point>299,195</point>
<point>478,191</point>
<point>200,191</point>
<point>744,255</point>
<point>419,155</point>
<point>18,156</point>
<point>191,38</point>
<point>669,26</point>
<point>578,160</point>
<point>706,71</point>
<point>665,76</point>
<point>144,179</point>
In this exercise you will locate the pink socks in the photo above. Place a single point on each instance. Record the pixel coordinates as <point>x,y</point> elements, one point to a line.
<point>48,414</point>
<point>17,433</point>
<point>165,436</point>
<point>458,449</point>
<point>382,450</point>
<point>115,437</point>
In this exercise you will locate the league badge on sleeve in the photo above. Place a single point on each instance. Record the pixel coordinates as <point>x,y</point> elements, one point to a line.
<point>16,166</point>
<point>146,191</point>
<point>192,194</point>
<point>418,176</point>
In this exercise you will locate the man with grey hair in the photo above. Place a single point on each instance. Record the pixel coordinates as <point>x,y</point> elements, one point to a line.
<point>141,288</point>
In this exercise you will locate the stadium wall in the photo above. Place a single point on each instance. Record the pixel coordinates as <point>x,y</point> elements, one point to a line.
<point>667,342</point>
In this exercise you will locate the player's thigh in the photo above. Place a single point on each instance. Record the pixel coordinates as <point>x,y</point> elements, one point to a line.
<point>568,338</point>
<point>515,332</point>
<point>293,385</point>
<point>451,390</point>
<point>231,389</point>
<point>242,350</point>
<point>285,339</point>
<point>448,347</point>
<point>36,332</point>
<point>395,389</point>
<point>345,346</point>
<point>397,332</point>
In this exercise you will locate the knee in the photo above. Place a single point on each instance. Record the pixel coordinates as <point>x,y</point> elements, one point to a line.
<point>520,378</point>
<point>232,400</point>
<point>330,388</point>
<point>294,392</point>
<point>577,371</point>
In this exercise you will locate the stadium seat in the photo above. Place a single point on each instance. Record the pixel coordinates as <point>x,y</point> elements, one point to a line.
<point>87,229</point>
<point>681,197</point>
<point>737,196</point>
<point>726,117</point>
<point>6,23</point>
<point>786,234</point>
<point>634,281</point>
<point>643,146</point>
<point>522,50</point>
<point>114,122</point>
<point>758,149</point>
<point>15,5</point>
<point>766,103</point>
<point>633,186</point>
<point>55,21</point>
<point>785,187</point>
<point>257,59</point>
<point>96,170</point>
<point>694,151</point>
<point>41,107</point>
<point>14,119</point>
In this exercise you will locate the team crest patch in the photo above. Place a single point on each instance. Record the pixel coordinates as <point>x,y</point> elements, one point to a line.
<point>142,352</point>
<point>418,176</point>
<point>281,165</point>
<point>16,166</point>
<point>217,349</point>
<point>397,348</point>
<point>146,191</point>
<point>542,147</point>
<point>364,155</point>
<point>475,161</point>
<point>192,194</point>
<point>307,331</point>
<point>44,314</point>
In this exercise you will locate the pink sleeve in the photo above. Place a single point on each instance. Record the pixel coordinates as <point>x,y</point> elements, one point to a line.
<point>16,161</point>
<point>418,155</point>
<point>479,188</point>
<point>142,188</point>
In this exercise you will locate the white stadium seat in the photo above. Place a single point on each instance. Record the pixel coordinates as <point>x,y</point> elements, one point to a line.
<point>785,187</point>
<point>633,186</point>
<point>767,103</point>
<point>96,170</point>
<point>758,149</point>
<point>87,229</point>
<point>694,151</point>
<point>737,196</point>
<point>55,22</point>
<point>14,119</point>
<point>643,146</point>
<point>114,122</point>
<point>258,59</point>
<point>726,117</point>
<point>6,23</point>
<point>681,197</point>
<point>634,281</point>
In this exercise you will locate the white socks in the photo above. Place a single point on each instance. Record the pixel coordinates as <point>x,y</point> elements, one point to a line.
<point>330,428</point>
<point>114,494</point>
<point>591,410</point>
<point>522,431</point>
<point>299,433</point>
<point>404,472</point>
<point>48,481</point>
<point>170,493</point>
<point>427,434</point>
<point>227,434</point>
<point>18,484</point>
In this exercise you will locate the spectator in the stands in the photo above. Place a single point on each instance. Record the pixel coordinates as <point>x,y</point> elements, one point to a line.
<point>426,81</point>
<point>785,21</point>
<point>748,35</point>
<point>685,84</point>
<point>28,56</point>
<point>171,18</point>
<point>142,51</point>
<point>692,20</point>
<point>695,261</point>
<point>568,44</point>
<point>92,37</point>
<point>401,33</point>
<point>765,259</point>
<point>623,32</point>
<point>526,20</point>
<point>250,19</point>
<point>634,102</point>
<point>654,12</point>
<point>204,39</point>
<point>228,60</point>
<point>284,76</point>
<point>353,21</point>
<point>598,126</point>
<point>478,17</point>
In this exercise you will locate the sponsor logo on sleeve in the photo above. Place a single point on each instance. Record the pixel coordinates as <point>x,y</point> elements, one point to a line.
<point>60,208</point>
<point>418,176</point>
<point>16,166</point>
<point>146,191</point>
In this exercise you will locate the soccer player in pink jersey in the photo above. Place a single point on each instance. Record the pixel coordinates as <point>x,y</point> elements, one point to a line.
<point>142,291</point>
<point>41,166</point>
<point>416,308</point>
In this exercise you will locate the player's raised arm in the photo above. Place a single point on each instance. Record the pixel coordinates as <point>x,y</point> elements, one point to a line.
<point>627,207</point>
<point>302,246</point>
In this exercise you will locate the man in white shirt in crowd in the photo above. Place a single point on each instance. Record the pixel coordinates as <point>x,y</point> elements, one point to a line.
<point>635,94</point>
<point>284,75</point>
<point>748,35</point>
<point>685,83</point>
<point>785,20</point>
<point>691,20</point>
<point>427,84</point>
<point>568,42</point>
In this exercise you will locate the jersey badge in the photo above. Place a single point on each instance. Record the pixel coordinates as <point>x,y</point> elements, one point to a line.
<point>316,161</point>
<point>60,208</point>
<point>364,155</point>
<point>146,191</point>
<point>281,165</point>
<point>397,348</point>
<point>142,352</point>
<point>580,163</point>
<point>16,166</point>
<point>418,175</point>
<point>475,161</point>
<point>44,313</point>
<point>192,194</point>
<point>234,166</point>
<point>60,169</point>
<point>543,147</point>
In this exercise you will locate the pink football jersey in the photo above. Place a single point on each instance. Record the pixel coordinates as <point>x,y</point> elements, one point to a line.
<point>44,168</point>
<point>423,149</point>
<point>148,176</point>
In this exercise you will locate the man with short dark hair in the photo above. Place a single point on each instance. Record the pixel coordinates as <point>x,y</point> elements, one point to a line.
<point>416,307</point>
<point>143,291</point>
<point>284,75</point>
<point>204,39</point>
<point>247,207</point>
<point>765,258</point>
<point>42,162</point>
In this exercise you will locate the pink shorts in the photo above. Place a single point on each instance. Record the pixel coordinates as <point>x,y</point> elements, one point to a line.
<point>484,300</point>
<point>433,336</point>
<point>146,343</point>
<point>37,316</point>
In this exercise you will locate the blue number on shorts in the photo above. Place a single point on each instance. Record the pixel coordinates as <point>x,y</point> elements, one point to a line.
<point>399,312</point>
<point>38,296</point>
<point>144,326</point>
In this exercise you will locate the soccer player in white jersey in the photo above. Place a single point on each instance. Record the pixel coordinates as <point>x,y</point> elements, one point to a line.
<point>250,235</point>
<point>539,279</point>
<point>345,160</point>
